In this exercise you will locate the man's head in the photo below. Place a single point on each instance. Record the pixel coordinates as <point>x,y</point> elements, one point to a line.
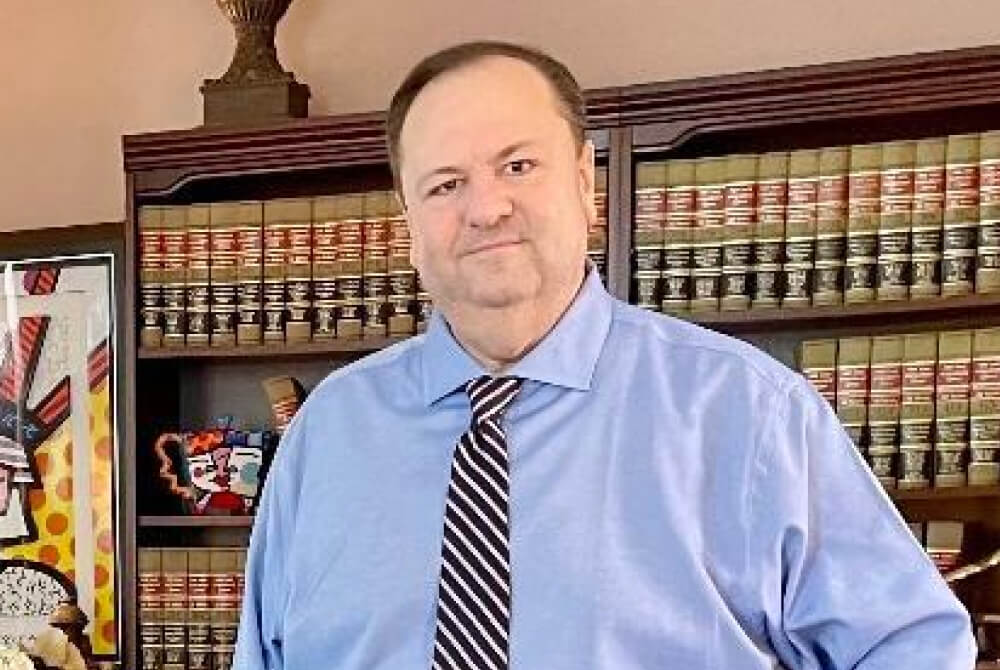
<point>487,149</point>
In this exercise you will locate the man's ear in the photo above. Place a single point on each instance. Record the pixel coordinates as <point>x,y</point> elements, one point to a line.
<point>586,172</point>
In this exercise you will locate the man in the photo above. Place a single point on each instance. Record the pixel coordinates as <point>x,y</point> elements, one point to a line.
<point>553,479</point>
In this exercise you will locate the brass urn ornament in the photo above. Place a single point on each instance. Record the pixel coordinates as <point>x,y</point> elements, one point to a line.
<point>255,88</point>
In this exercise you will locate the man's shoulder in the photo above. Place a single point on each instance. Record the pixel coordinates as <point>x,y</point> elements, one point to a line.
<point>688,344</point>
<point>390,364</point>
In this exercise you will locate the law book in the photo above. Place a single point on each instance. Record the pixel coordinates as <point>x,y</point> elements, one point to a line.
<point>737,244</point>
<point>961,215</point>
<point>681,206</point>
<point>769,231</point>
<point>276,217</point>
<point>895,220</point>
<point>818,364</point>
<point>151,592</point>
<point>988,247</point>
<point>944,544</point>
<point>863,205</point>
<point>706,238</point>
<point>884,405</point>
<point>225,576</point>
<point>927,217</point>
<point>984,409</point>
<point>375,269</point>
<point>325,217</point>
<point>800,227</point>
<point>198,286</point>
<point>293,216</point>
<point>597,239</point>
<point>831,226</point>
<point>225,251</point>
<point>951,399</point>
<point>424,306</point>
<point>402,275</point>
<point>350,266</point>
<point>199,621</point>
<point>151,276</point>
<point>648,227</point>
<point>250,274</point>
<point>853,361</point>
<point>175,264</point>
<point>175,606</point>
<point>916,417</point>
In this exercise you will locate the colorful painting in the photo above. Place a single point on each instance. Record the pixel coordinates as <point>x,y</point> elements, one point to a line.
<point>58,525</point>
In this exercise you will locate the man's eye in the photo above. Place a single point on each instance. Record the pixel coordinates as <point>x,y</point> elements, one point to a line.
<point>444,188</point>
<point>519,167</point>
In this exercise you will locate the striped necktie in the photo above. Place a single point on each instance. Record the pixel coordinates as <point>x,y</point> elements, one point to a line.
<point>473,612</point>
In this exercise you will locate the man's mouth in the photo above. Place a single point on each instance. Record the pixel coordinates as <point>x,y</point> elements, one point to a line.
<point>493,246</point>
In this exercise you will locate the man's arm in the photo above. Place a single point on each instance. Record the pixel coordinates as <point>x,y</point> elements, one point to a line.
<point>259,643</point>
<point>844,582</point>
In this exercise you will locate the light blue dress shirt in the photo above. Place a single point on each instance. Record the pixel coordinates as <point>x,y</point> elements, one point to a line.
<point>679,500</point>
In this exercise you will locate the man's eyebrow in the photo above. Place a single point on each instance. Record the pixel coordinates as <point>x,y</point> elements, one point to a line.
<point>507,152</point>
<point>501,156</point>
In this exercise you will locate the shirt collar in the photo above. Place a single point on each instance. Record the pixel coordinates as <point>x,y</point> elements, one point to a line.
<point>566,356</point>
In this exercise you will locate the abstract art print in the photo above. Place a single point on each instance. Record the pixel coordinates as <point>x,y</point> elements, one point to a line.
<point>58,476</point>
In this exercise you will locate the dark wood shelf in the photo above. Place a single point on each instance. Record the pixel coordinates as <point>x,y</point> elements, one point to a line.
<point>959,492</point>
<point>332,347</point>
<point>163,521</point>
<point>943,312</point>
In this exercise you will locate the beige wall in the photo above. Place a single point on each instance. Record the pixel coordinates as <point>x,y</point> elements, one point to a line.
<point>77,74</point>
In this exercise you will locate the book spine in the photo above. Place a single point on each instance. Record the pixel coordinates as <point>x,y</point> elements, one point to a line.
<point>895,220</point>
<point>350,250</point>
<point>984,409</point>
<point>818,363</point>
<point>175,606</point>
<point>769,233</point>
<point>988,250</point>
<point>928,216</point>
<point>325,268</point>
<point>648,229</point>
<point>175,263</point>
<point>298,272</point>
<point>597,239</point>
<point>224,241</point>
<point>150,277</point>
<point>831,226</point>
<point>951,437</point>
<point>681,205</point>
<point>961,215</point>
<point>706,239</point>
<point>199,275</point>
<point>151,592</point>
<point>402,275</point>
<point>249,276</point>
<point>884,405</point>
<point>740,217</point>
<point>273,293</point>
<point>916,419</point>
<point>375,265</point>
<point>863,205</point>
<point>199,629</point>
<point>225,575</point>
<point>800,227</point>
<point>424,306</point>
<point>853,361</point>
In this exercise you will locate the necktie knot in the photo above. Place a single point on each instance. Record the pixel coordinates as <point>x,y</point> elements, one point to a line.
<point>491,396</point>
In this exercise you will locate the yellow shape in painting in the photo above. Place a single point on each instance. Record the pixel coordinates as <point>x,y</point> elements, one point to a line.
<point>52,510</point>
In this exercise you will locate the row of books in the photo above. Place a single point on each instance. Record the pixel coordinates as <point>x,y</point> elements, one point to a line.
<point>850,224</point>
<point>189,605</point>
<point>286,270</point>
<point>924,407</point>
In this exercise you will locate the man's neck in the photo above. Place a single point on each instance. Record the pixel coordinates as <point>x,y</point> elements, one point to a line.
<point>499,338</point>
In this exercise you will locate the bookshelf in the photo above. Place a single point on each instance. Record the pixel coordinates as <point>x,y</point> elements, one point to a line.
<point>842,104</point>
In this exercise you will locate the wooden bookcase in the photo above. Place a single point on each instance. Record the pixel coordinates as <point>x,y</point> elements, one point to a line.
<point>808,107</point>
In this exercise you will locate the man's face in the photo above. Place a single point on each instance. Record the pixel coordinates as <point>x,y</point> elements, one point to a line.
<point>498,197</point>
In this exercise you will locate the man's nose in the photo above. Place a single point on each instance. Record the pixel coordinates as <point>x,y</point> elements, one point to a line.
<point>489,201</point>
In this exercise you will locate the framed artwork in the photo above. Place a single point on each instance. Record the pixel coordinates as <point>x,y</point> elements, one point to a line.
<point>59,483</point>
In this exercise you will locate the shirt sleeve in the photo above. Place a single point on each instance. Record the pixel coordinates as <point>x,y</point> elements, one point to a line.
<point>259,642</point>
<point>844,584</point>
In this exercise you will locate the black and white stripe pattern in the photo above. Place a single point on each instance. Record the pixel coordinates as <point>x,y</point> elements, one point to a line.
<point>473,613</point>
